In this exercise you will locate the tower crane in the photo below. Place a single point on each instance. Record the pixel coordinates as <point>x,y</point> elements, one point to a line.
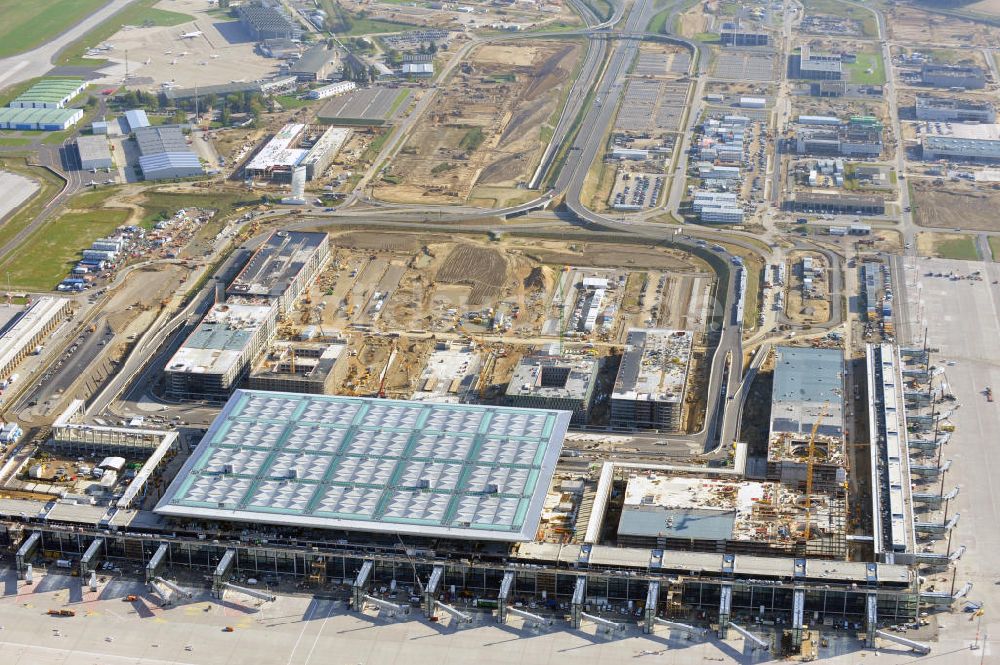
<point>810,463</point>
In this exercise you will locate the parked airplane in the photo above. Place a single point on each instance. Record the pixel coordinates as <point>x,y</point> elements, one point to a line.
<point>191,35</point>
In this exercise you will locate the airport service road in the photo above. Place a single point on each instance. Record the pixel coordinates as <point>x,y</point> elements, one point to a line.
<point>298,630</point>
<point>963,321</point>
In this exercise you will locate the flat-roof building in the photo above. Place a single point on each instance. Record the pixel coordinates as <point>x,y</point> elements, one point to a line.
<point>817,66</point>
<point>324,150</point>
<point>218,354</point>
<point>278,157</point>
<point>385,466</point>
<point>737,37</point>
<point>944,109</point>
<point>974,143</point>
<point>94,153</point>
<point>554,382</point>
<point>22,336</point>
<point>299,367</point>
<point>652,380</point>
<point>49,93</point>
<point>808,389</point>
<point>282,268</point>
<point>970,77</point>
<point>837,204</point>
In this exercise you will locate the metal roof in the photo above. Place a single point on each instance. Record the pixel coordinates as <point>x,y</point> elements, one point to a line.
<point>220,339</point>
<point>93,148</point>
<point>277,263</point>
<point>366,464</point>
<point>164,138</point>
<point>806,379</point>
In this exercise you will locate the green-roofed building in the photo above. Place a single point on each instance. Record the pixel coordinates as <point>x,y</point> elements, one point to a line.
<point>49,93</point>
<point>39,119</point>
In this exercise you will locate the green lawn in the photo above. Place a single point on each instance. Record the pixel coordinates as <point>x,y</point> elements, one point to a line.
<point>869,26</point>
<point>963,248</point>
<point>14,141</point>
<point>141,12</point>
<point>858,71</point>
<point>292,102</point>
<point>159,205</point>
<point>49,254</point>
<point>994,247</point>
<point>707,37</point>
<point>26,25</point>
<point>372,26</point>
<point>403,95</point>
<point>49,186</point>
<point>658,23</point>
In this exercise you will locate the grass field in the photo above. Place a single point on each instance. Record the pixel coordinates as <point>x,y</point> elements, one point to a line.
<point>49,187</point>
<point>994,247</point>
<point>371,26</point>
<point>26,25</point>
<point>947,246</point>
<point>137,13</point>
<point>869,25</point>
<point>49,254</point>
<point>858,71</point>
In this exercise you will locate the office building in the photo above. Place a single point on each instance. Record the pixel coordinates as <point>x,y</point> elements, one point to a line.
<point>651,383</point>
<point>331,90</point>
<point>836,204</point>
<point>324,150</point>
<point>943,109</point>
<point>817,66</point>
<point>216,357</point>
<point>282,268</point>
<point>28,329</point>
<point>969,77</point>
<point>554,382</point>
<point>299,367</point>
<point>737,37</point>
<point>973,143</point>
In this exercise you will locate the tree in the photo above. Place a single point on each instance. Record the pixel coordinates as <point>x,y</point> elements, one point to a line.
<point>432,48</point>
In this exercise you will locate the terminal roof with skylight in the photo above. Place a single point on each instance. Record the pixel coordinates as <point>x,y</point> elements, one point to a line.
<point>365,464</point>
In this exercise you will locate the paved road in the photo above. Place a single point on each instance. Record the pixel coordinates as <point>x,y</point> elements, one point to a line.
<point>37,62</point>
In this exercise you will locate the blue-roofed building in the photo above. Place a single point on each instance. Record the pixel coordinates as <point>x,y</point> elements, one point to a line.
<point>136,118</point>
<point>808,388</point>
<point>165,165</point>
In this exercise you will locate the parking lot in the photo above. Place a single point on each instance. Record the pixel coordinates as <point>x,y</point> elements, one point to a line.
<point>757,65</point>
<point>652,106</point>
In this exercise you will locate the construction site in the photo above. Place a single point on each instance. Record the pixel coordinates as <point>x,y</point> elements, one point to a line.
<point>474,146</point>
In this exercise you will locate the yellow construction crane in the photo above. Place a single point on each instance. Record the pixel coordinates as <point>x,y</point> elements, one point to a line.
<point>810,462</point>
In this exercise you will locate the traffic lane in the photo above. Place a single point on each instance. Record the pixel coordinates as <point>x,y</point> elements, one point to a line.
<point>75,361</point>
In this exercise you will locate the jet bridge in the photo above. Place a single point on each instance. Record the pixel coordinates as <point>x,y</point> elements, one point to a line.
<point>505,586</point>
<point>758,642</point>
<point>26,552</point>
<point>391,608</point>
<point>652,602</point>
<point>687,628</point>
<point>223,572</point>
<point>529,616</point>
<point>934,527</point>
<point>361,584</point>
<point>576,604</point>
<point>430,591</point>
<point>88,557</point>
<point>253,593</point>
<point>725,608</point>
<point>155,565</point>
<point>919,647</point>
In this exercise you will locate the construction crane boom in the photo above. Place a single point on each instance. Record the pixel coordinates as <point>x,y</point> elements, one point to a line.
<point>810,464</point>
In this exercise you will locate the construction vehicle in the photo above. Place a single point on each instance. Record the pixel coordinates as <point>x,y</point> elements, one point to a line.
<point>810,465</point>
<point>131,598</point>
<point>62,613</point>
